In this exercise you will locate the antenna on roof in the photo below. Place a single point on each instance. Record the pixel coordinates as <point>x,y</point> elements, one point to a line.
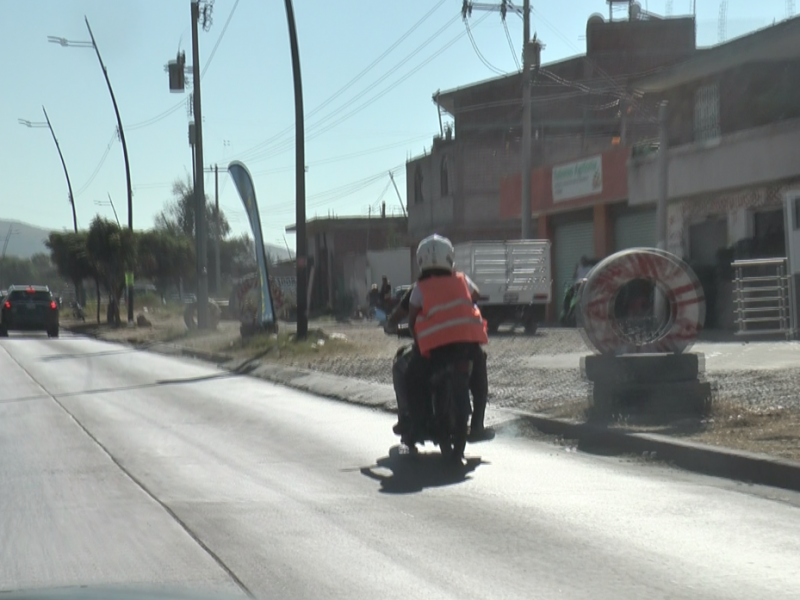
<point>722,25</point>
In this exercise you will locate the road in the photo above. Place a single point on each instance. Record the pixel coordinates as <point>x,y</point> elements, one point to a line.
<point>120,467</point>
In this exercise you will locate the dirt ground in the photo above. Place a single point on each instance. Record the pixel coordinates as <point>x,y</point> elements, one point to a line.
<point>752,411</point>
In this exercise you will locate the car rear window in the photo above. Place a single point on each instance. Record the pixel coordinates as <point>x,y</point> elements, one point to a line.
<point>23,295</point>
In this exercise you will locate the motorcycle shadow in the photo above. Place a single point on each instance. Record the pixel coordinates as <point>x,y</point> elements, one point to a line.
<point>412,473</point>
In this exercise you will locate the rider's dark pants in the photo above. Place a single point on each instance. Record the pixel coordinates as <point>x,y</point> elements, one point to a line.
<point>411,375</point>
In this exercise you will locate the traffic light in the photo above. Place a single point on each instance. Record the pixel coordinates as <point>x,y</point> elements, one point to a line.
<point>177,77</point>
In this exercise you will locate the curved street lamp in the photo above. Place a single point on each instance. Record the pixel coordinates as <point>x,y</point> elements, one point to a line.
<point>92,44</point>
<point>46,123</point>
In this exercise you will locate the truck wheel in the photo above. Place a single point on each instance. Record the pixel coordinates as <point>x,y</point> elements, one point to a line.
<point>3,332</point>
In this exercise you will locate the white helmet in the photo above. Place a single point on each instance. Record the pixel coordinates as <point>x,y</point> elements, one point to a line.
<point>435,252</point>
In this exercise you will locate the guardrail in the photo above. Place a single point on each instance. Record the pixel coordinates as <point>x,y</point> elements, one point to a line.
<point>762,297</point>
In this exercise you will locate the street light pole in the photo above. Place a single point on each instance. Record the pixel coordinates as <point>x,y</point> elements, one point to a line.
<point>33,125</point>
<point>124,153</point>
<point>66,173</point>
<point>120,130</point>
<point>300,180</point>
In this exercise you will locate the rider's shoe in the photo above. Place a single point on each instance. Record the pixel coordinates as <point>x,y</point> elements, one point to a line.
<point>402,426</point>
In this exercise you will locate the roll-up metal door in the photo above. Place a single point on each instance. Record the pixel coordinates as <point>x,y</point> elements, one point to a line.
<point>635,230</point>
<point>571,241</point>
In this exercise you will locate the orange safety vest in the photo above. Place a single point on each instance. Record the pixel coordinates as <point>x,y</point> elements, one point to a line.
<point>448,315</point>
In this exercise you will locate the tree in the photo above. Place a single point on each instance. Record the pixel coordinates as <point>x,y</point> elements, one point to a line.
<point>165,258</point>
<point>178,214</point>
<point>112,251</point>
<point>237,256</point>
<point>37,270</point>
<point>69,253</point>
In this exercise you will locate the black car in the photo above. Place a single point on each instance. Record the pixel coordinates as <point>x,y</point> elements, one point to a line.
<point>29,308</point>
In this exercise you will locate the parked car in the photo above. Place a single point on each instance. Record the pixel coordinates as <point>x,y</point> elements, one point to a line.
<point>29,308</point>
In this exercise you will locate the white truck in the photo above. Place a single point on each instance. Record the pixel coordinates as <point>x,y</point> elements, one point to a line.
<point>514,279</point>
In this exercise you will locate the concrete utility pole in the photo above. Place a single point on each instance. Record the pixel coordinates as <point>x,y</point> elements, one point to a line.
<point>530,59</point>
<point>201,229</point>
<point>525,199</point>
<point>217,267</point>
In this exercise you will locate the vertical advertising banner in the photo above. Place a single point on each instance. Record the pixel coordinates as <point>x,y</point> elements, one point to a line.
<point>244,185</point>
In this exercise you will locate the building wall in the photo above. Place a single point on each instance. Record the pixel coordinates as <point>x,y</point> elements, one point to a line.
<point>615,187</point>
<point>744,159</point>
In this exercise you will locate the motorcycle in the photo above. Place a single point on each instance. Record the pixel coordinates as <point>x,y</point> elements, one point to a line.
<point>78,313</point>
<point>444,415</point>
<point>569,310</point>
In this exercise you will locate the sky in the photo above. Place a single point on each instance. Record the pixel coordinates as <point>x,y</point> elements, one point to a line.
<point>369,71</point>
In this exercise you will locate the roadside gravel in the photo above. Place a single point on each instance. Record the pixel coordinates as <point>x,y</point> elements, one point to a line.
<point>515,380</point>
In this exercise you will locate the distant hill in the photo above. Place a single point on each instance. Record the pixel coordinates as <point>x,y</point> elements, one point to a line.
<point>26,240</point>
<point>29,240</point>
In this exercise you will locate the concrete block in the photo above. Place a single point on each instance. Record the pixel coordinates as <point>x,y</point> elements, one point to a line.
<point>686,398</point>
<point>643,368</point>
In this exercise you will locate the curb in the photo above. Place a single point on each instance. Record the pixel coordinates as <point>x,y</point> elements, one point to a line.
<point>748,467</point>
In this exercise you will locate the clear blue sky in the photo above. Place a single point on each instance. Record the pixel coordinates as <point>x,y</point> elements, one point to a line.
<point>352,141</point>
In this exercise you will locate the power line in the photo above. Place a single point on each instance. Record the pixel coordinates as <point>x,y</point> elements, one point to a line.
<point>253,152</point>
<point>99,166</point>
<point>342,157</point>
<point>287,144</point>
<point>482,58</point>
<point>179,105</point>
<point>511,45</point>
<point>219,39</point>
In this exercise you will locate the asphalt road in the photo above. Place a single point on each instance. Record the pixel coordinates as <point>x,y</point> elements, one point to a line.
<point>120,467</point>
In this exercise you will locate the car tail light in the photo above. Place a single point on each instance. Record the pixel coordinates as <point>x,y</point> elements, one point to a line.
<point>53,305</point>
<point>7,304</point>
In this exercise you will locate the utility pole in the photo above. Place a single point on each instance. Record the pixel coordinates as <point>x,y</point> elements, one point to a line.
<point>399,199</point>
<point>301,252</point>
<point>525,200</point>
<point>201,229</point>
<point>530,59</point>
<point>217,267</point>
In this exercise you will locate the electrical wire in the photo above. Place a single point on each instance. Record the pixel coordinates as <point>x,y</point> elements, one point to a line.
<point>477,50</point>
<point>253,152</point>
<point>338,193</point>
<point>219,39</point>
<point>511,45</point>
<point>176,107</point>
<point>342,157</point>
<point>99,166</point>
<point>288,144</point>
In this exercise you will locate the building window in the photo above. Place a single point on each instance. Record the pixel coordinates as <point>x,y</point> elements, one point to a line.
<point>706,112</point>
<point>444,177</point>
<point>418,185</point>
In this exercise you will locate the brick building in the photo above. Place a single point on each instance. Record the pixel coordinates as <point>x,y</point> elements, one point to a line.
<point>734,130</point>
<point>468,185</point>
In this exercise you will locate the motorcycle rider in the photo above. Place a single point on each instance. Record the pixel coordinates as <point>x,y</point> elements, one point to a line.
<point>442,312</point>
